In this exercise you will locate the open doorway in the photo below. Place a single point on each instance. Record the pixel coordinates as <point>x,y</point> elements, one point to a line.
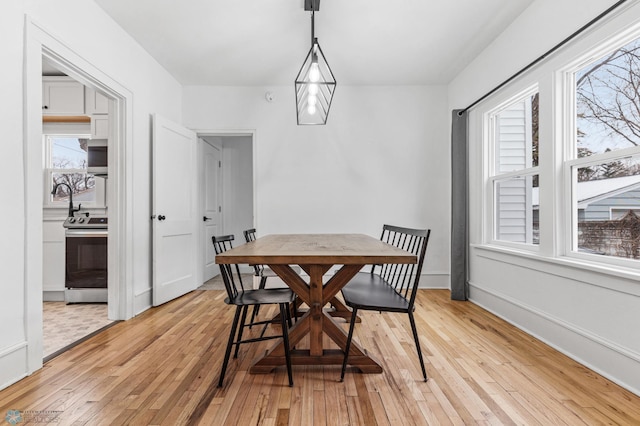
<point>39,44</point>
<point>75,138</point>
<point>227,191</point>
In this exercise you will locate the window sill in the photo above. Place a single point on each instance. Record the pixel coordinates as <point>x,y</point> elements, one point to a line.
<point>593,273</point>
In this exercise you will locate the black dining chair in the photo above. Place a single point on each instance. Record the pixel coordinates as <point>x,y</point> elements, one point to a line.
<point>264,273</point>
<point>390,287</point>
<point>243,298</point>
<point>260,270</point>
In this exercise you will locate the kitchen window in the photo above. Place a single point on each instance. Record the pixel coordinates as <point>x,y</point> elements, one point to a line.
<point>66,162</point>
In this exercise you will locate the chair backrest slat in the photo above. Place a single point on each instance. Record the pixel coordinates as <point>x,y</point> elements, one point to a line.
<point>404,278</point>
<point>232,281</point>
<point>249,236</point>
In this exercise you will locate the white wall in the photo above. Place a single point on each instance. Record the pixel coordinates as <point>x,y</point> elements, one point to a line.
<point>86,30</point>
<point>383,157</point>
<point>589,314</point>
<point>12,223</point>
<point>91,33</point>
<point>539,28</point>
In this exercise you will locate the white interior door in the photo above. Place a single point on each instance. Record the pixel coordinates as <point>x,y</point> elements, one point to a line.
<point>174,210</point>
<point>211,215</point>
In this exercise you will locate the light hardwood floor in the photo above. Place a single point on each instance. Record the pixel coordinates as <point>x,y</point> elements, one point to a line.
<point>162,366</point>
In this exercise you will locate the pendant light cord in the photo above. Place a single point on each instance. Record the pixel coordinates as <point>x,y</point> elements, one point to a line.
<point>313,30</point>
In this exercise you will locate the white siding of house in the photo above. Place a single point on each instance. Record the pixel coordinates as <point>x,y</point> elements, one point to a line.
<point>513,197</point>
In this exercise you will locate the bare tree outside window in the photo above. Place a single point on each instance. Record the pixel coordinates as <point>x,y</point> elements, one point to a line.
<point>69,164</point>
<point>607,192</point>
<point>608,101</point>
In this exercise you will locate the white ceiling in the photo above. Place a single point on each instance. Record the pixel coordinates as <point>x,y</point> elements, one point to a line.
<point>264,42</point>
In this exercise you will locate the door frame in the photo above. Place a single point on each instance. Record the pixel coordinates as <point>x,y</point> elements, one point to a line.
<point>201,198</point>
<point>40,43</point>
<point>203,133</point>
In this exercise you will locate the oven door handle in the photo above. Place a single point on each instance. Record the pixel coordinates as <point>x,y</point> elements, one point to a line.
<point>86,233</point>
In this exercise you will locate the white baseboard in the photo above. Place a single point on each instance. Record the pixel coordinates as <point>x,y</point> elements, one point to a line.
<point>53,296</point>
<point>142,301</point>
<point>435,281</point>
<point>13,359</point>
<point>616,363</point>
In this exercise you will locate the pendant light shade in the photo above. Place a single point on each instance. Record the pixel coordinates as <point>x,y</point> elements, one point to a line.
<point>315,85</point>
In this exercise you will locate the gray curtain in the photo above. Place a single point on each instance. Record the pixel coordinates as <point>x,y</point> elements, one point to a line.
<point>459,240</point>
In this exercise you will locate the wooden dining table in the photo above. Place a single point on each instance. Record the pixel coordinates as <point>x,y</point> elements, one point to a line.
<point>316,254</point>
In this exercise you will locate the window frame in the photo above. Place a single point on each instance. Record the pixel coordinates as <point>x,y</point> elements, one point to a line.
<point>554,77</point>
<point>48,171</point>
<point>570,249</point>
<point>570,162</point>
<point>621,208</point>
<point>493,176</point>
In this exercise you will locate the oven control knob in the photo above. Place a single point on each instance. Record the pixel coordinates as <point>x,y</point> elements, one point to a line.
<point>72,220</point>
<point>81,220</point>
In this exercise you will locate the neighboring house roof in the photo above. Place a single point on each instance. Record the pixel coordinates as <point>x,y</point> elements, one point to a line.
<point>596,190</point>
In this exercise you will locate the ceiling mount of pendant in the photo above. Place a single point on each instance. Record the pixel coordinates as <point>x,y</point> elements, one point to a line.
<point>312,5</point>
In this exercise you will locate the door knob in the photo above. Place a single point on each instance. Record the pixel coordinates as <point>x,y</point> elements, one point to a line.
<point>204,218</point>
<point>161,217</point>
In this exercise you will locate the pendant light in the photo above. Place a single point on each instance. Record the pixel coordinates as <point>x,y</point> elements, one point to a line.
<point>315,83</point>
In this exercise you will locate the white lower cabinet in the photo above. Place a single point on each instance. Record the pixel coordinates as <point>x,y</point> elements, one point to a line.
<point>53,260</point>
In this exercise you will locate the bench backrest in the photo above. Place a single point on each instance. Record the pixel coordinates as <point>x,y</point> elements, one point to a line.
<point>404,278</point>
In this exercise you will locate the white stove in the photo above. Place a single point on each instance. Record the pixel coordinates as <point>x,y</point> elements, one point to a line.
<point>86,259</point>
<point>86,222</point>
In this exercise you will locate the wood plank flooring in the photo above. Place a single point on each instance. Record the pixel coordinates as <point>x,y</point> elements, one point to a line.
<point>161,368</point>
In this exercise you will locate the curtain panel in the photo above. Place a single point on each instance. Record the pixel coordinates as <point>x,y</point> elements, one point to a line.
<point>459,197</point>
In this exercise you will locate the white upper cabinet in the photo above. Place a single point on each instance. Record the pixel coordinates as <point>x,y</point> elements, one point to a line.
<point>95,102</point>
<point>99,126</point>
<point>62,96</point>
<point>97,106</point>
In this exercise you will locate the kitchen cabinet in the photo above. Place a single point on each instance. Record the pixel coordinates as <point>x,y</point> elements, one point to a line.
<point>53,266</point>
<point>62,96</point>
<point>95,102</point>
<point>97,106</point>
<point>100,126</point>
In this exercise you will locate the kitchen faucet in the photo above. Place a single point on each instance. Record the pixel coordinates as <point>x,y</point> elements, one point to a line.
<point>71,209</point>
